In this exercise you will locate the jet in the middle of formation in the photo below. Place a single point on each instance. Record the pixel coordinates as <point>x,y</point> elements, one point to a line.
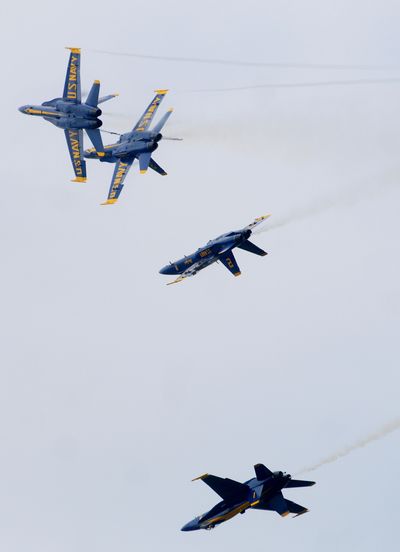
<point>139,144</point>
<point>219,249</point>
<point>263,492</point>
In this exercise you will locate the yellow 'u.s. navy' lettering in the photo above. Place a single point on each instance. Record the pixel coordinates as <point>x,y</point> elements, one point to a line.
<point>72,77</point>
<point>73,138</point>
<point>118,178</point>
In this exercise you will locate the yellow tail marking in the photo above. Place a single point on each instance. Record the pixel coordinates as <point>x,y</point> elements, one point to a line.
<point>79,179</point>
<point>109,202</point>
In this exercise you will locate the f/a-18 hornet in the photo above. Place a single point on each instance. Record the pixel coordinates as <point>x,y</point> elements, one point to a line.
<point>70,114</point>
<point>219,249</point>
<point>263,492</point>
<point>139,144</point>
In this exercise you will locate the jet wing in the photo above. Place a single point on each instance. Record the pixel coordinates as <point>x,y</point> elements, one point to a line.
<point>75,147</point>
<point>191,271</point>
<point>145,120</point>
<point>117,183</point>
<point>72,86</point>
<point>228,259</point>
<point>228,489</point>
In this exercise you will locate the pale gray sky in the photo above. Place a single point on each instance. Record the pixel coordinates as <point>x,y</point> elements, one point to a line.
<point>116,390</point>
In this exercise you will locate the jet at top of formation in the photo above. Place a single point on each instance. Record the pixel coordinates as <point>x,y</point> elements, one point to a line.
<point>219,249</point>
<point>263,492</point>
<point>139,144</point>
<point>70,114</point>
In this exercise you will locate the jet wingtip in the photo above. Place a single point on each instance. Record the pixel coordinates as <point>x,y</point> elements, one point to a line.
<point>200,477</point>
<point>73,49</point>
<point>109,202</point>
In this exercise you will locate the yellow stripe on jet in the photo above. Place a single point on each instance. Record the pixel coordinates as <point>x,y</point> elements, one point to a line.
<point>230,514</point>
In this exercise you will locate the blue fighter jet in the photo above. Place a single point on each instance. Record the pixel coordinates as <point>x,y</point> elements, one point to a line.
<point>219,249</point>
<point>70,114</point>
<point>263,492</point>
<point>139,144</point>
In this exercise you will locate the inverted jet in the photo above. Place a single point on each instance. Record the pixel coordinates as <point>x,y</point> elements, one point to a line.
<point>139,144</point>
<point>263,492</point>
<point>73,116</point>
<point>219,249</point>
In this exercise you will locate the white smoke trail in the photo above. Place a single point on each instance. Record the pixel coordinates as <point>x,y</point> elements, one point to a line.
<point>350,196</point>
<point>375,436</point>
<point>314,84</point>
<point>271,64</point>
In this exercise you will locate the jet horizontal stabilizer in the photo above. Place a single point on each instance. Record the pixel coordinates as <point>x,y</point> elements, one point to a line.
<point>299,483</point>
<point>106,98</point>
<point>228,259</point>
<point>156,167</point>
<point>251,248</point>
<point>295,508</point>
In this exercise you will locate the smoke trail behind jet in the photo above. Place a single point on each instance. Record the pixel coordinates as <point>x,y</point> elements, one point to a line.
<point>312,84</point>
<point>271,64</point>
<point>350,196</point>
<point>379,434</point>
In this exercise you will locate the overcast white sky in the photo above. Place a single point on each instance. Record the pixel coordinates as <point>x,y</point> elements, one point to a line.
<point>116,390</point>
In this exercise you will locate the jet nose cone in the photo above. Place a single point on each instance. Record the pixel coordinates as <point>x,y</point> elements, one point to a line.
<point>23,108</point>
<point>165,269</point>
<point>191,526</point>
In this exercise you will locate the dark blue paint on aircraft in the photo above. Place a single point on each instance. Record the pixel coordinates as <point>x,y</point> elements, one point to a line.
<point>219,249</point>
<point>139,144</point>
<point>263,492</point>
<point>73,116</point>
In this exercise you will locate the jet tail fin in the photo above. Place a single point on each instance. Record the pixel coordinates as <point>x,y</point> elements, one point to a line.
<point>93,98</point>
<point>262,472</point>
<point>95,138</point>
<point>251,248</point>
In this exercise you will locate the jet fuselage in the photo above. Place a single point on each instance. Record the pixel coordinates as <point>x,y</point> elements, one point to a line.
<point>258,495</point>
<point>209,253</point>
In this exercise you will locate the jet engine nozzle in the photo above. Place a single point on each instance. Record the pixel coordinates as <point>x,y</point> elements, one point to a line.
<point>158,137</point>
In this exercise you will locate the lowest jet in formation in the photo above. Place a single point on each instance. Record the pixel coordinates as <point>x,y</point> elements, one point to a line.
<point>219,249</point>
<point>139,144</point>
<point>263,492</point>
<point>70,114</point>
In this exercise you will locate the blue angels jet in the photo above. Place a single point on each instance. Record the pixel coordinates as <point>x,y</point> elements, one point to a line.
<point>139,144</point>
<point>219,249</point>
<point>263,492</point>
<point>70,114</point>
